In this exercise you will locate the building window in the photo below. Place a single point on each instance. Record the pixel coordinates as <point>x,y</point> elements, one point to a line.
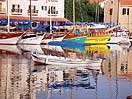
<point>44,8</point>
<point>123,11</point>
<point>111,11</point>
<point>128,11</point>
<point>33,9</point>
<point>16,9</point>
<point>111,2</point>
<point>53,10</point>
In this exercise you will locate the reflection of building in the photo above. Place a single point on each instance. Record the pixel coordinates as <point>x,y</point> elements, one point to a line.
<point>118,12</point>
<point>19,79</point>
<point>13,74</point>
<point>118,63</point>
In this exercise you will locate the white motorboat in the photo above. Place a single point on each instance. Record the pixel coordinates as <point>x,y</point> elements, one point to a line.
<point>31,38</point>
<point>118,36</point>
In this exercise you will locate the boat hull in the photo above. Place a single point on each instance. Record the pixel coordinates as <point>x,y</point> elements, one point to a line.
<point>9,41</point>
<point>10,38</point>
<point>79,40</point>
<point>31,38</point>
<point>57,39</point>
<point>97,39</point>
<point>118,40</point>
<point>61,61</point>
<point>34,40</point>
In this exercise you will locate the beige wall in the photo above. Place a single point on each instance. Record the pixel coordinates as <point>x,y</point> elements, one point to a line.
<point>123,20</point>
<point>111,5</point>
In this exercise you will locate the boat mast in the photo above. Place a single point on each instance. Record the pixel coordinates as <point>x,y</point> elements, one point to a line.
<point>50,18</point>
<point>30,15</point>
<point>74,11</point>
<point>8,15</point>
<point>118,12</point>
<point>97,12</point>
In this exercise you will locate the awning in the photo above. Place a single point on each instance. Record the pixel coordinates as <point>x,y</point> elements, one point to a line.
<point>3,22</point>
<point>36,18</point>
<point>23,26</point>
<point>40,28</point>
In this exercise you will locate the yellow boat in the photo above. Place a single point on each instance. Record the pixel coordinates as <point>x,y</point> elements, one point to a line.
<point>96,35</point>
<point>97,39</point>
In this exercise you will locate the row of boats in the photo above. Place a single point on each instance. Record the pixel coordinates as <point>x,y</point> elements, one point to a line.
<point>80,35</point>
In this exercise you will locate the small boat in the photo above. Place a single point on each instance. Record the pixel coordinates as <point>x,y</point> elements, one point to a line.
<point>30,48</point>
<point>9,38</point>
<point>53,37</point>
<point>118,36</point>
<point>31,38</point>
<point>75,36</point>
<point>91,35</point>
<point>10,49</point>
<point>97,35</point>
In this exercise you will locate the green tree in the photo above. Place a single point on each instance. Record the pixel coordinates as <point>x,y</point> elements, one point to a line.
<point>84,11</point>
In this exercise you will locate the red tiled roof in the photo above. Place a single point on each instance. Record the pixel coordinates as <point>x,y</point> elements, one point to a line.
<point>36,18</point>
<point>126,2</point>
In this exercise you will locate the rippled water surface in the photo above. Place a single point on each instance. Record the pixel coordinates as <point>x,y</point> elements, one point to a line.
<point>81,72</point>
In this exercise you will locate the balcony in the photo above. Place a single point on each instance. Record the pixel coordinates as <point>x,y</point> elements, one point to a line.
<point>33,12</point>
<point>16,11</point>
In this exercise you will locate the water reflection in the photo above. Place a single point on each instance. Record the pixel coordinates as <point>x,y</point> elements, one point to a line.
<point>22,78</point>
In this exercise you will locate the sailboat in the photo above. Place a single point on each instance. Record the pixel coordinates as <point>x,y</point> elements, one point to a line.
<point>85,37</point>
<point>52,36</point>
<point>30,37</point>
<point>6,36</point>
<point>76,35</point>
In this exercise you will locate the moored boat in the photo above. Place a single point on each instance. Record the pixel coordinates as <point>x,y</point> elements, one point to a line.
<point>75,37</point>
<point>10,37</point>
<point>97,39</point>
<point>57,36</point>
<point>31,38</point>
<point>118,36</point>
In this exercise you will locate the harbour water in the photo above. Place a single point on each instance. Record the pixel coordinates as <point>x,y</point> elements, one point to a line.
<point>22,78</point>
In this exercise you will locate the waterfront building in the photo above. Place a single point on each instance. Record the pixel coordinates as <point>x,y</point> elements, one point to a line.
<point>119,12</point>
<point>40,10</point>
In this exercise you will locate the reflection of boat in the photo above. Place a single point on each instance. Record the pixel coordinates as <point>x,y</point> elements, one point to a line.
<point>79,47</point>
<point>54,60</point>
<point>114,47</point>
<point>30,48</point>
<point>65,58</point>
<point>9,49</point>
<point>98,48</point>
